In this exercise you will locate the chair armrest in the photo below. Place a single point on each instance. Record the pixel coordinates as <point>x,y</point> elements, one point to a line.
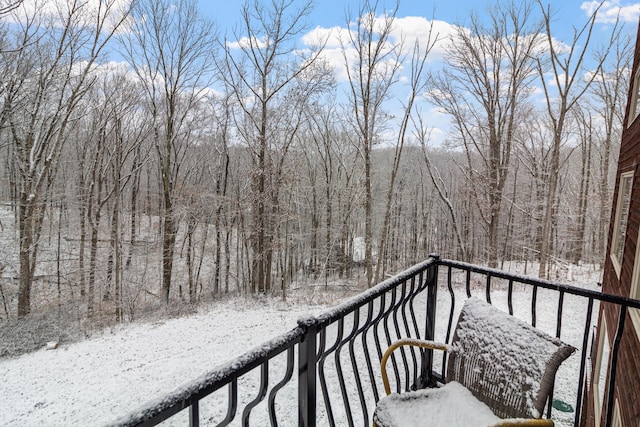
<point>524,422</point>
<point>405,342</point>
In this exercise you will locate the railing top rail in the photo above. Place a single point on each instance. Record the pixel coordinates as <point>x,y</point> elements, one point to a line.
<point>206,384</point>
<point>367,296</point>
<point>547,284</point>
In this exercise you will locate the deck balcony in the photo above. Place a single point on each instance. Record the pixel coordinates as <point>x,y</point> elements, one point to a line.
<point>326,370</point>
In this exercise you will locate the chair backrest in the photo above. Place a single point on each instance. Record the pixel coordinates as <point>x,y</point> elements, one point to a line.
<point>505,362</point>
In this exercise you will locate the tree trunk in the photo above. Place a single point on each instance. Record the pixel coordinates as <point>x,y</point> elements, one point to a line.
<point>117,246</point>
<point>585,187</point>
<point>549,213</point>
<point>168,247</point>
<point>26,235</point>
<point>368,214</point>
<point>93,255</point>
<point>135,189</point>
<point>191,228</point>
<point>605,202</point>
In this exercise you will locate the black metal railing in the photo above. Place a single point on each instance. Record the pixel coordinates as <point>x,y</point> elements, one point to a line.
<point>337,354</point>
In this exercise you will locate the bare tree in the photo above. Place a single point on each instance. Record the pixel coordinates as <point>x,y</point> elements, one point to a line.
<point>128,135</point>
<point>323,122</point>
<point>170,48</point>
<point>585,126</point>
<point>567,66</point>
<point>607,93</point>
<point>271,80</point>
<point>533,152</point>
<point>416,84</point>
<point>422,135</point>
<point>95,199</point>
<point>371,74</point>
<point>489,69</point>
<point>222,139</point>
<point>47,73</point>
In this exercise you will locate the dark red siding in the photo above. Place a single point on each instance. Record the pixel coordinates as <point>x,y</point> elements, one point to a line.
<point>628,371</point>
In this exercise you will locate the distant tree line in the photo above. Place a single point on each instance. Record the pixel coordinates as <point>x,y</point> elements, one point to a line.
<point>203,164</point>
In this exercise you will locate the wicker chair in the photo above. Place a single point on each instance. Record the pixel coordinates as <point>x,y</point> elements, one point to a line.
<point>500,372</point>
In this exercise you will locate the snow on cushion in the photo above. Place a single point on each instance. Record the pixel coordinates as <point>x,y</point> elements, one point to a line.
<point>505,362</point>
<point>451,405</point>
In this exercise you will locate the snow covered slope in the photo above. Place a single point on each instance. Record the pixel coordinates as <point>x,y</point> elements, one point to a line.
<point>96,381</point>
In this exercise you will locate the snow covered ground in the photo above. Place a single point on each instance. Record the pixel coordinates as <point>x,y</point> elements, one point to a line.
<point>96,381</point>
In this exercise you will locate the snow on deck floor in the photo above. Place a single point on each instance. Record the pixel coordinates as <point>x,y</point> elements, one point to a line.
<point>95,381</point>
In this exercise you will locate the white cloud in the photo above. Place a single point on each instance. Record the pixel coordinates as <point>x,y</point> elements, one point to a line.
<point>537,90</point>
<point>552,81</point>
<point>437,136</point>
<point>610,11</point>
<point>329,36</point>
<point>416,28</point>
<point>114,67</point>
<point>410,28</point>
<point>246,42</point>
<point>332,54</point>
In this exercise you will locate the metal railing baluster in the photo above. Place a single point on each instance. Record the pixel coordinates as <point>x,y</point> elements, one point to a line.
<point>365,346</point>
<point>321,371</point>
<point>420,288</point>
<point>387,335</point>
<point>340,372</point>
<point>233,403</point>
<point>510,296</point>
<point>396,326</point>
<point>559,316</point>
<point>262,392</point>
<point>407,328</point>
<point>583,361</point>
<point>194,414</point>
<point>354,364</point>
<point>307,365</point>
<point>273,419</point>
<point>450,320</point>
<point>534,299</point>
<point>558,332</point>
<point>426,374</point>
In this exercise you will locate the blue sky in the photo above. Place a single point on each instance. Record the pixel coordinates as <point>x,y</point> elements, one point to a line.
<point>414,16</point>
<point>329,14</point>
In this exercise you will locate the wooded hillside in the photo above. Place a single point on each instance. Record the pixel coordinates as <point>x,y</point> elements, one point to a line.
<point>146,159</point>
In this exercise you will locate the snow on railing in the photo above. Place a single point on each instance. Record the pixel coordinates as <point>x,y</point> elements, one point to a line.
<point>337,354</point>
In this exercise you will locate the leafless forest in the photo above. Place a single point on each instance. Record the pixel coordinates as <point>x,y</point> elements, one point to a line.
<point>148,160</point>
